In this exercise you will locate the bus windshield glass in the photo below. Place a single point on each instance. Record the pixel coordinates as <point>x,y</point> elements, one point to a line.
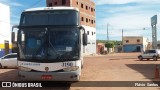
<point>56,17</point>
<point>49,43</point>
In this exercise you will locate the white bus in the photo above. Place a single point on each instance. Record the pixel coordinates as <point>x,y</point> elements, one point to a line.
<point>50,43</point>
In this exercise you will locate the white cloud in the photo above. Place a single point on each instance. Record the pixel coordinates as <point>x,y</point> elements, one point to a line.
<point>101,2</point>
<point>11,3</point>
<point>118,32</point>
<point>132,23</point>
<point>128,21</point>
<point>16,4</point>
<point>131,18</point>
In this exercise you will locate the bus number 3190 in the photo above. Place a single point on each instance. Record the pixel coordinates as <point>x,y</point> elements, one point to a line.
<point>67,64</point>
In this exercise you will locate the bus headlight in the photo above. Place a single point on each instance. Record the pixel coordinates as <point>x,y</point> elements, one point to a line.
<point>73,68</point>
<point>24,68</point>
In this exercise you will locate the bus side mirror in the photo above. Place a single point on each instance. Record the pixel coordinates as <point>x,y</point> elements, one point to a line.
<point>13,34</point>
<point>13,37</point>
<point>85,36</point>
<point>85,39</point>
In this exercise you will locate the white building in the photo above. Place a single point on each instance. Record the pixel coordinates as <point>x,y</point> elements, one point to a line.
<point>91,46</point>
<point>134,43</point>
<point>5,33</point>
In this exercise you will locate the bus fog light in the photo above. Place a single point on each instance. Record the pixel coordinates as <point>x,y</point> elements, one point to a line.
<point>73,68</point>
<point>24,68</point>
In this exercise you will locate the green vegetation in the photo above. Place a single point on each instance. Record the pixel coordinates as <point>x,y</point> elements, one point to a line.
<point>109,44</point>
<point>113,41</point>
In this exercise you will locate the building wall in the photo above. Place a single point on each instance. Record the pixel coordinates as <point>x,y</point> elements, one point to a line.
<point>133,43</point>
<point>5,33</point>
<point>91,46</point>
<point>87,12</point>
<point>132,48</point>
<point>86,7</point>
<point>87,19</point>
<point>132,40</point>
<point>57,3</point>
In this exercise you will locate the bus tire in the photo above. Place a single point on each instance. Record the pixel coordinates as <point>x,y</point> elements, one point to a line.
<point>81,65</point>
<point>0,65</point>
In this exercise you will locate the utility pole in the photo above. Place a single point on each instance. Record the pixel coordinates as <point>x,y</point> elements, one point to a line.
<point>122,40</point>
<point>107,33</point>
<point>154,31</point>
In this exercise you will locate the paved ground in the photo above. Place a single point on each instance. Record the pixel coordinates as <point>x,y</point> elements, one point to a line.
<point>113,67</point>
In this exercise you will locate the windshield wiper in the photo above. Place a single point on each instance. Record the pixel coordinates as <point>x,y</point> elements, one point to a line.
<point>41,47</point>
<point>54,50</point>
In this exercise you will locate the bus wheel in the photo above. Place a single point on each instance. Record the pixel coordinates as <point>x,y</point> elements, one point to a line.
<point>0,65</point>
<point>81,66</point>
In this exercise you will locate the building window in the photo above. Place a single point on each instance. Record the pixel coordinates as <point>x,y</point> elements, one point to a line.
<point>50,5</point>
<point>86,7</point>
<point>55,3</point>
<point>91,9</point>
<point>127,41</point>
<point>77,3</point>
<point>138,40</point>
<point>88,32</point>
<point>82,19</point>
<point>63,2</point>
<point>87,20</point>
<point>81,5</point>
<point>92,33</point>
<point>92,21</point>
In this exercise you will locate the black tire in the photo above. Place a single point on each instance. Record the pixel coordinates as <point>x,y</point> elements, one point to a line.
<point>140,58</point>
<point>0,65</point>
<point>81,66</point>
<point>154,58</point>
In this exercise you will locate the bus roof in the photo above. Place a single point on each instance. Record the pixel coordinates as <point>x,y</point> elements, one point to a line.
<point>51,8</point>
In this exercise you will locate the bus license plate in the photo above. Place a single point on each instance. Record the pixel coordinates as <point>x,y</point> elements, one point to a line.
<point>46,77</point>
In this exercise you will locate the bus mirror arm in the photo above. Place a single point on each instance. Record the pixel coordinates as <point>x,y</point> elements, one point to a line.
<point>85,39</point>
<point>13,34</point>
<point>13,37</point>
<point>85,36</point>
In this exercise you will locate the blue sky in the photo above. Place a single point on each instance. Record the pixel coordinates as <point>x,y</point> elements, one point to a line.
<point>130,15</point>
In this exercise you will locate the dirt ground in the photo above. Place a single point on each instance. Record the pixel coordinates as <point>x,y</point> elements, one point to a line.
<point>112,67</point>
<point>118,67</point>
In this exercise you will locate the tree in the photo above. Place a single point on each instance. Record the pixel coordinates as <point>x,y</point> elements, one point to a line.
<point>114,41</point>
<point>109,44</point>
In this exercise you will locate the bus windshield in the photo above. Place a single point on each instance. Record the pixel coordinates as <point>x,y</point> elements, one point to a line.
<point>49,44</point>
<point>56,17</point>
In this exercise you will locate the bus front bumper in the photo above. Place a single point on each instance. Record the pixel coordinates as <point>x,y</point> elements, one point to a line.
<point>58,76</point>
